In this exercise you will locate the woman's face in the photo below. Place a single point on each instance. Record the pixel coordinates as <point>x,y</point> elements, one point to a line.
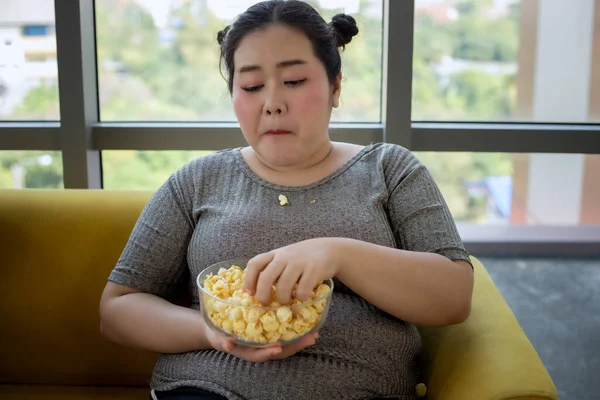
<point>281,96</point>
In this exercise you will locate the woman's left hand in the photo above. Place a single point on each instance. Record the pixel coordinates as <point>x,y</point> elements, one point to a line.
<point>304,263</point>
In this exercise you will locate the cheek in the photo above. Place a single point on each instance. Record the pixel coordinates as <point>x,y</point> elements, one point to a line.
<point>244,107</point>
<point>315,101</point>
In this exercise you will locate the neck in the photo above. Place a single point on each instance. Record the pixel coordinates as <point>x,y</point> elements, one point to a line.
<point>314,160</point>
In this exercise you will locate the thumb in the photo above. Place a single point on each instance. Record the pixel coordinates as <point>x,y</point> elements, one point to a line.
<point>227,344</point>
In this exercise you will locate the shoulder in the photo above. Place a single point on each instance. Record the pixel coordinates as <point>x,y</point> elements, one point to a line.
<point>192,176</point>
<point>395,162</point>
<point>391,157</point>
<point>205,165</point>
<point>211,160</point>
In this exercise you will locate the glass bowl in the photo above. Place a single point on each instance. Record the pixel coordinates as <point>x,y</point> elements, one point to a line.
<point>253,325</point>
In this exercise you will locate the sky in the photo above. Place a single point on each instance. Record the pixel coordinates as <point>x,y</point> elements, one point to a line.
<point>229,9</point>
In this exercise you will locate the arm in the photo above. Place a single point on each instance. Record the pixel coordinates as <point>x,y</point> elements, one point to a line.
<point>141,320</point>
<point>134,309</point>
<point>428,279</point>
<point>425,289</point>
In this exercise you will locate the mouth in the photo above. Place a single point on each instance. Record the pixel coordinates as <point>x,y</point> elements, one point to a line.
<point>277,132</point>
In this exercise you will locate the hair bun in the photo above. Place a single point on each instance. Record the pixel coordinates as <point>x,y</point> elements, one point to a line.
<point>221,34</point>
<point>345,28</point>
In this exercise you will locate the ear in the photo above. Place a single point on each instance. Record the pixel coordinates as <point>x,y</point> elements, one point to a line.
<point>337,91</point>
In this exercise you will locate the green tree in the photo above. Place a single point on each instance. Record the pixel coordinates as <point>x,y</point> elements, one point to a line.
<point>480,38</point>
<point>452,171</point>
<point>41,169</point>
<point>40,103</point>
<point>144,75</point>
<point>433,40</point>
<point>133,170</point>
<point>486,96</point>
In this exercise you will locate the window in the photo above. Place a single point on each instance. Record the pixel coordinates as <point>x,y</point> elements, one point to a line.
<point>159,61</point>
<point>35,30</point>
<point>142,170</point>
<point>31,169</point>
<point>28,67</point>
<point>36,58</point>
<point>506,60</point>
<point>504,188</point>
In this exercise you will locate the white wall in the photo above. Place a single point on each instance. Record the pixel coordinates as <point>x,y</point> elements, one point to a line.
<point>21,12</point>
<point>561,94</point>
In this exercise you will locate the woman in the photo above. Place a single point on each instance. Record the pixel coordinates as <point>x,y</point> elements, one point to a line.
<point>371,217</point>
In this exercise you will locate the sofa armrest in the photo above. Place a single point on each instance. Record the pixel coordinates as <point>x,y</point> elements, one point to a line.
<point>486,357</point>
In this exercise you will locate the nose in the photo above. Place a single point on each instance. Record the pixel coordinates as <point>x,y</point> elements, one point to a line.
<point>277,111</point>
<point>274,104</point>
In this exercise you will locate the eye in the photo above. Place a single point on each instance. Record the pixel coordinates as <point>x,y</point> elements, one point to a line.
<point>295,83</point>
<point>252,88</point>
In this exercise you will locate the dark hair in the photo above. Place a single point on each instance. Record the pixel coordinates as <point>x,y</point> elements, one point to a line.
<point>325,37</point>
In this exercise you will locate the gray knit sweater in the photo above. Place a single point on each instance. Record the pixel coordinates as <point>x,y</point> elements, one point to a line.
<point>215,208</point>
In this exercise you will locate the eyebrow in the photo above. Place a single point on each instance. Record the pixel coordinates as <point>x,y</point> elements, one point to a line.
<point>282,64</point>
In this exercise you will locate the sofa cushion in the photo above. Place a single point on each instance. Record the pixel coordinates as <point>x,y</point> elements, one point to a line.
<point>58,248</point>
<point>48,392</point>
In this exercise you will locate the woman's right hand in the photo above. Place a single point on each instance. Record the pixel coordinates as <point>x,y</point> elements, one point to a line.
<point>256,354</point>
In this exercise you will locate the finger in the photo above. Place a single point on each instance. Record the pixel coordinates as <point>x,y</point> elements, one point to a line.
<point>303,343</point>
<point>267,279</point>
<point>306,284</point>
<point>306,341</point>
<point>217,340</point>
<point>256,354</point>
<point>227,344</point>
<point>253,270</point>
<point>285,284</point>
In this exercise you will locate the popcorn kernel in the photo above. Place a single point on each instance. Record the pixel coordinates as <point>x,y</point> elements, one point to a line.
<point>258,325</point>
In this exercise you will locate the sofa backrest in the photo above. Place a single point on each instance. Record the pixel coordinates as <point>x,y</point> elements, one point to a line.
<point>58,248</point>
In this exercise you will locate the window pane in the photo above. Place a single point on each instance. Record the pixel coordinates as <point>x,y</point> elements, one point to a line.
<point>159,60</point>
<point>503,188</point>
<point>485,188</point>
<point>31,169</point>
<point>506,60</point>
<point>28,67</point>
<point>142,170</point>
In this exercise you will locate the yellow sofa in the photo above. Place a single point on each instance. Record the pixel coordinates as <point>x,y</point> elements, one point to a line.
<point>58,248</point>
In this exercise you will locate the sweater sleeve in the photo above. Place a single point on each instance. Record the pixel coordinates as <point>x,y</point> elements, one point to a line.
<point>154,258</point>
<point>419,215</point>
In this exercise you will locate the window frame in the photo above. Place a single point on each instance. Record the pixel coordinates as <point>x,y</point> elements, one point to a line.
<point>81,137</point>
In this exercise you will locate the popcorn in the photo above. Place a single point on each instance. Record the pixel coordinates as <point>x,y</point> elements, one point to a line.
<point>308,314</point>
<point>319,306</point>
<point>235,314</point>
<point>254,329</point>
<point>272,337</point>
<point>321,290</point>
<point>284,314</point>
<point>288,334</point>
<point>254,314</point>
<point>227,326</point>
<point>239,326</point>
<point>283,200</point>
<point>209,304</point>
<point>247,302</point>
<point>221,289</point>
<point>252,322</point>
<point>259,339</point>
<point>269,322</point>
<point>301,326</point>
